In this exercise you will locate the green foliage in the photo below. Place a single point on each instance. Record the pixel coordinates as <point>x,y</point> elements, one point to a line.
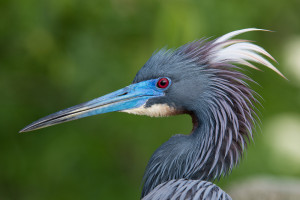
<point>55,54</point>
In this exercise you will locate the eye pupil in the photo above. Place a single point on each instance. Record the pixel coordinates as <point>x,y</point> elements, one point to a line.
<point>163,83</point>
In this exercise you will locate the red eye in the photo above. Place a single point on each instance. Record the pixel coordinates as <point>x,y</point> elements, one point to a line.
<point>163,83</point>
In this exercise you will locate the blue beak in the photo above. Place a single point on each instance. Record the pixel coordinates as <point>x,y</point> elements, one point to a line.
<point>132,96</point>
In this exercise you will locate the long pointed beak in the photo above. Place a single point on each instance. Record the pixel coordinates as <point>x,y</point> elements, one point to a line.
<point>132,96</point>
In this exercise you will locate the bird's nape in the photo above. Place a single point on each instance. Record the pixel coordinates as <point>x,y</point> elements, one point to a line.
<point>209,86</point>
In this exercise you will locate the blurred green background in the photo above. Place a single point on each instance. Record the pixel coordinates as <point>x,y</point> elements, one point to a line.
<point>56,54</point>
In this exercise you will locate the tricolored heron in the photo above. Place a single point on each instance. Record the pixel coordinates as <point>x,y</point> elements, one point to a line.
<point>200,79</point>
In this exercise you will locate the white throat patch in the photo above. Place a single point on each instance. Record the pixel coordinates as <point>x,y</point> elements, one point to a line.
<point>156,110</point>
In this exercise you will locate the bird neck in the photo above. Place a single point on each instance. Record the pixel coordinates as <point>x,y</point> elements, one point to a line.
<point>212,149</point>
<point>219,147</point>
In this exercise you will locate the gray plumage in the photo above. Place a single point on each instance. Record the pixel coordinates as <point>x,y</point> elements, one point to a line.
<point>182,189</point>
<point>209,87</point>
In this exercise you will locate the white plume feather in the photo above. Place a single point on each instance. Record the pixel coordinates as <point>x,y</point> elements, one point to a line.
<point>240,51</point>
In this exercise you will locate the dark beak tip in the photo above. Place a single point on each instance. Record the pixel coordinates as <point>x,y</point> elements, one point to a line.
<point>23,130</point>
<point>26,129</point>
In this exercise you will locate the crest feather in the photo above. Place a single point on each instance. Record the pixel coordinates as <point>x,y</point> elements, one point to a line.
<point>240,51</point>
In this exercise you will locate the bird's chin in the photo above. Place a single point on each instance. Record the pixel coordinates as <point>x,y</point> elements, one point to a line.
<point>156,110</point>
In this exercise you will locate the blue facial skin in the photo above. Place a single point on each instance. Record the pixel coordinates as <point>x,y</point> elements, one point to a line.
<point>132,96</point>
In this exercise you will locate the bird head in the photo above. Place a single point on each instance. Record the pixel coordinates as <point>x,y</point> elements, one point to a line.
<point>190,79</point>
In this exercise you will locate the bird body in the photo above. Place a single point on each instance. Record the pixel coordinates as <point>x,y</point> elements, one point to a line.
<point>200,79</point>
<point>187,190</point>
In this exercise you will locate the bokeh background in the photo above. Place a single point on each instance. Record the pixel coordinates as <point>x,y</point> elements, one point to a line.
<point>56,54</point>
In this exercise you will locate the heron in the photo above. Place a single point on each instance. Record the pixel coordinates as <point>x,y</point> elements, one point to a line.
<point>204,79</point>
